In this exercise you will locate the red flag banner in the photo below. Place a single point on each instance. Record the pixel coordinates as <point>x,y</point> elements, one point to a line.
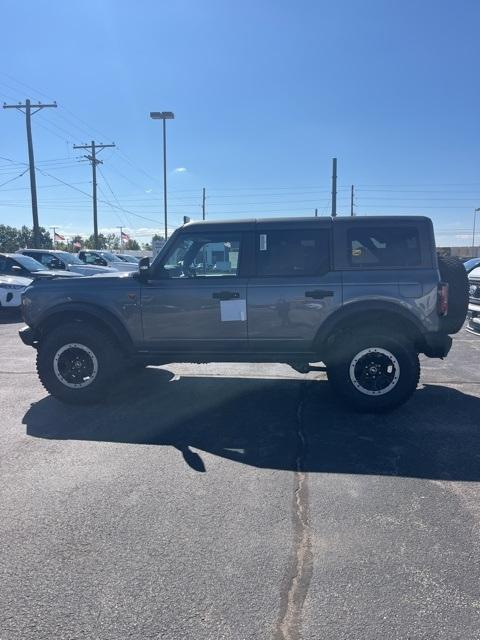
<point>58,237</point>
<point>125,236</point>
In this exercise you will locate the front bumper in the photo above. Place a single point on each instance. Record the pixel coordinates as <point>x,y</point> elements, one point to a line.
<point>473,318</point>
<point>28,336</point>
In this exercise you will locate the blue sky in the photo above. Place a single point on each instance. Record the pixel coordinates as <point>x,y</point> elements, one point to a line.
<point>265,93</point>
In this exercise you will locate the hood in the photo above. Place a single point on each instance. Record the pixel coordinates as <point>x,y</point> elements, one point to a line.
<point>474,274</point>
<point>20,280</point>
<point>87,281</point>
<point>53,273</point>
<point>124,266</point>
<point>89,268</point>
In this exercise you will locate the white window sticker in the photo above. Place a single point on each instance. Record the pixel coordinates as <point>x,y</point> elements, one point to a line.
<point>233,310</point>
<point>263,242</point>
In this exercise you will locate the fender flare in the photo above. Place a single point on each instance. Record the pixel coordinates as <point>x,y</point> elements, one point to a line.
<point>364,307</point>
<point>101,315</point>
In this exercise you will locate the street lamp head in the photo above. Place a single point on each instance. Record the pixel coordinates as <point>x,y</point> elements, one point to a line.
<point>162,115</point>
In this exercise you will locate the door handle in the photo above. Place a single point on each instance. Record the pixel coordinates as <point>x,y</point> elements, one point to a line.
<point>226,295</point>
<point>319,293</point>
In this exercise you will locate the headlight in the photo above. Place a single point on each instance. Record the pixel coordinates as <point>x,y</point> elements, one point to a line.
<point>17,287</point>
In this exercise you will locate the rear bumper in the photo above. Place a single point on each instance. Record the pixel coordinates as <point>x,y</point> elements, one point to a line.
<point>28,336</point>
<point>473,318</point>
<point>437,345</point>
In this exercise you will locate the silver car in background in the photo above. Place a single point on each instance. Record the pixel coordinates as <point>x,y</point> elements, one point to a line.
<point>53,259</point>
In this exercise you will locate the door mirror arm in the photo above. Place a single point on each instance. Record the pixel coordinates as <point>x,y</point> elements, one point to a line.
<point>144,270</point>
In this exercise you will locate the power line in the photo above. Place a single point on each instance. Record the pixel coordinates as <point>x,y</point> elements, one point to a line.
<point>12,179</point>
<point>114,196</point>
<point>90,196</point>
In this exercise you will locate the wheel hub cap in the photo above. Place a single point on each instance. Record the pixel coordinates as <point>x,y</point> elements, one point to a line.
<point>75,365</point>
<point>374,371</point>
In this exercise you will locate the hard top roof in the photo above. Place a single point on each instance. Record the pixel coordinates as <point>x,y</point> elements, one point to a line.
<point>302,221</point>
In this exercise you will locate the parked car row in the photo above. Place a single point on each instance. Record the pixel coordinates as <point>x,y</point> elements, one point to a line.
<point>18,270</point>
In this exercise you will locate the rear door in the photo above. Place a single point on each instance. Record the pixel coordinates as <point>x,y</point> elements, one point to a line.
<point>294,288</point>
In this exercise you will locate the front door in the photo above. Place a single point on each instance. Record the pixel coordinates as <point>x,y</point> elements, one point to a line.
<point>294,289</point>
<point>196,297</point>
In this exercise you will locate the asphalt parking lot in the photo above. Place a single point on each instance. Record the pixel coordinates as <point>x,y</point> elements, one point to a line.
<point>239,501</point>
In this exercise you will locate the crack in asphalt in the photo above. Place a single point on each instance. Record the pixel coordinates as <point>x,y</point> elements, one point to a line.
<point>300,571</point>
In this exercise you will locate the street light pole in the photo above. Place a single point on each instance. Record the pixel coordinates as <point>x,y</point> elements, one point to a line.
<point>473,234</point>
<point>164,115</point>
<point>165,174</point>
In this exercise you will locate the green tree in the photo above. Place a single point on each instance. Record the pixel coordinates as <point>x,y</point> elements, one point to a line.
<point>90,242</point>
<point>131,245</point>
<point>8,238</point>
<point>12,239</point>
<point>112,241</point>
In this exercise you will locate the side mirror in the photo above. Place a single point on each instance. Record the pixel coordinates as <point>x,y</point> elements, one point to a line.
<point>144,269</point>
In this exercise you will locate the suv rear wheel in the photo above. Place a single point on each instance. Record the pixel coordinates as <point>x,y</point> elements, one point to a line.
<point>75,361</point>
<point>375,373</point>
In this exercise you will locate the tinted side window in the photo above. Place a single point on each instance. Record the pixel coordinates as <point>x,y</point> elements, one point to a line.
<point>89,258</point>
<point>293,252</point>
<point>384,247</point>
<point>199,255</point>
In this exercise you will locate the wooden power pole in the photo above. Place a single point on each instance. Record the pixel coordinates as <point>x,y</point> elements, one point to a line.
<point>27,110</point>
<point>92,156</point>
<point>203,204</point>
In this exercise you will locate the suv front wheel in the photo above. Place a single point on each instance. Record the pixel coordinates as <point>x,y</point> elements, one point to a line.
<point>76,361</point>
<point>375,373</point>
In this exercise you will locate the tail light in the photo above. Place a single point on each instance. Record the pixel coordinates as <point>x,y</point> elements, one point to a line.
<point>442,299</point>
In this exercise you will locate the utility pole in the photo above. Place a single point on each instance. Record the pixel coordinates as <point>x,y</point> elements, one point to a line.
<point>92,147</point>
<point>316,213</point>
<point>31,159</point>
<point>54,234</point>
<point>334,187</point>
<point>352,194</point>
<point>203,204</point>
<point>121,237</point>
<point>473,234</point>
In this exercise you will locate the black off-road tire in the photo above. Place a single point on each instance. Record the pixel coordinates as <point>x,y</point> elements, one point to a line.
<point>90,340</point>
<point>343,377</point>
<point>452,271</point>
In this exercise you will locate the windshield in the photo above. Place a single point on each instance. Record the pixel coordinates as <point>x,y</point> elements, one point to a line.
<point>69,258</point>
<point>131,259</point>
<point>111,257</point>
<point>470,264</point>
<point>29,263</point>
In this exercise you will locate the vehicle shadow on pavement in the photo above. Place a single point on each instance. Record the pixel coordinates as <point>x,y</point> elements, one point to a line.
<point>269,423</point>
<point>10,316</point>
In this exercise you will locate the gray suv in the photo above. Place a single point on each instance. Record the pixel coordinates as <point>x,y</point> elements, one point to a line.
<point>363,295</point>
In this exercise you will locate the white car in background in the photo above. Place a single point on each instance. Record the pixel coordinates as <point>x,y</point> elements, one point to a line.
<point>11,289</point>
<point>473,315</point>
